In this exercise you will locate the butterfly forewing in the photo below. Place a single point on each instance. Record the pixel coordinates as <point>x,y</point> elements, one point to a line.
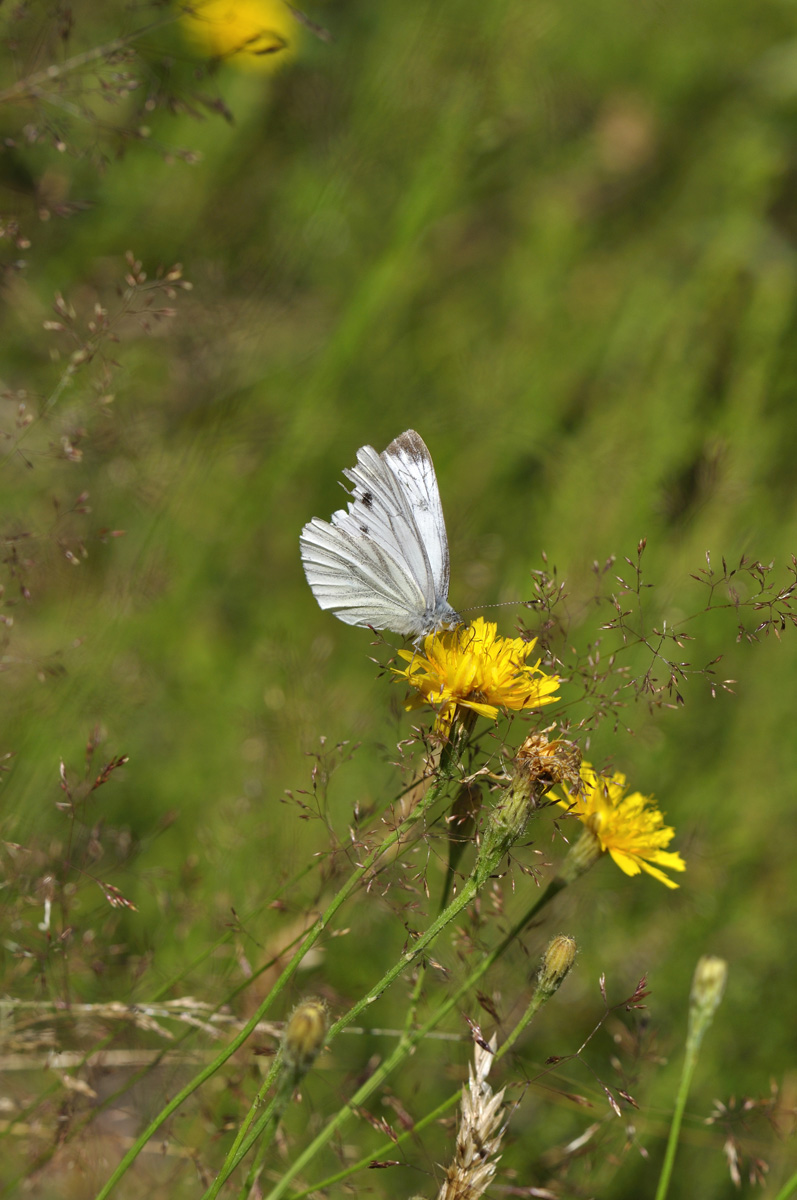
<point>412,465</point>
<point>383,560</point>
<point>381,511</point>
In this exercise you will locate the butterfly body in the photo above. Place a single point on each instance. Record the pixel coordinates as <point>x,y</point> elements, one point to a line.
<point>383,560</point>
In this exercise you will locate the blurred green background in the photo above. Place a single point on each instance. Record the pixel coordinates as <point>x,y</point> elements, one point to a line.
<point>560,242</point>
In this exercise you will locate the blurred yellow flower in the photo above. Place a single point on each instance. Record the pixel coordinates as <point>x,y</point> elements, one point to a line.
<point>629,827</point>
<point>471,667</point>
<point>256,35</point>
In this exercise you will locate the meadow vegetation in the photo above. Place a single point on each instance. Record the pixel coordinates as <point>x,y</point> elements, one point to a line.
<point>259,921</point>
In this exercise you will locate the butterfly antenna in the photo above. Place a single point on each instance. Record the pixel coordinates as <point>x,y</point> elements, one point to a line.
<point>503,604</point>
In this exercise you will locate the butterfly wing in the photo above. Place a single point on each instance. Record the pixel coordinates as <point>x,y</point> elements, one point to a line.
<point>371,564</point>
<point>411,463</point>
<point>356,578</point>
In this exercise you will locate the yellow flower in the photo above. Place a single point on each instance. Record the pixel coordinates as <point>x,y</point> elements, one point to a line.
<point>257,35</point>
<point>629,827</point>
<point>470,667</point>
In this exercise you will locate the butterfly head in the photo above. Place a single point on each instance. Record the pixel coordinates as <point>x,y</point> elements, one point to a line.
<point>437,617</point>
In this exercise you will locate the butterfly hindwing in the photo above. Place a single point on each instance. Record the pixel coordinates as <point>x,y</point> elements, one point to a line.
<point>358,580</point>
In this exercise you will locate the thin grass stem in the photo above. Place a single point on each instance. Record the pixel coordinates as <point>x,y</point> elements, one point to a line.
<point>312,936</point>
<point>407,1043</point>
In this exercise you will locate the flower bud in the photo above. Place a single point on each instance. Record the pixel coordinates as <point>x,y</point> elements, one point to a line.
<point>304,1034</point>
<point>555,965</point>
<point>708,985</point>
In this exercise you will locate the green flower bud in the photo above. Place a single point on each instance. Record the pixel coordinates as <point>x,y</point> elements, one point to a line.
<point>555,965</point>
<point>304,1034</point>
<point>708,985</point>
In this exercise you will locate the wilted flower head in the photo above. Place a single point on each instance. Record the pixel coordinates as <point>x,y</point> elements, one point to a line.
<point>627,826</point>
<point>549,762</point>
<point>255,35</point>
<point>471,667</point>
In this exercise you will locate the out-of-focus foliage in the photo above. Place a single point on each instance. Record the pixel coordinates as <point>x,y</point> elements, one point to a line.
<point>561,242</point>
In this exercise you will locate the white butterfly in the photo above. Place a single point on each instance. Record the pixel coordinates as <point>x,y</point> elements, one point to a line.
<point>383,561</point>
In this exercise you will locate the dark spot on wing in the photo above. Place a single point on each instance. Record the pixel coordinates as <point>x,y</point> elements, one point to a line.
<point>363,528</point>
<point>367,499</point>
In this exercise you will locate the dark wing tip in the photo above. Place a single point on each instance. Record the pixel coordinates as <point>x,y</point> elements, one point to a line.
<point>410,443</point>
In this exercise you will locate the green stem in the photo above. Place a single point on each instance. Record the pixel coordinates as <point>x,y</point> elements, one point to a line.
<point>407,1043</point>
<point>788,1188</point>
<point>536,1003</point>
<point>271,1115</point>
<point>409,956</point>
<point>388,1148</point>
<point>708,985</point>
<point>255,1169</point>
<point>308,941</point>
<point>415,1000</point>
<point>690,1062</point>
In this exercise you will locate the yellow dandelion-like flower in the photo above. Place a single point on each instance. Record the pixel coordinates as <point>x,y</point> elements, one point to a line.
<point>471,667</point>
<point>256,35</point>
<point>627,826</point>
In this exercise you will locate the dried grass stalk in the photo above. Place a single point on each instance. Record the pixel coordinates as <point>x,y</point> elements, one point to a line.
<point>479,1135</point>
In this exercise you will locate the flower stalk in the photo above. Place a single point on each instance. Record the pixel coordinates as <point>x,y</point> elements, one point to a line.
<point>539,764</point>
<point>553,969</point>
<point>355,880</point>
<point>302,1040</point>
<point>708,985</point>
